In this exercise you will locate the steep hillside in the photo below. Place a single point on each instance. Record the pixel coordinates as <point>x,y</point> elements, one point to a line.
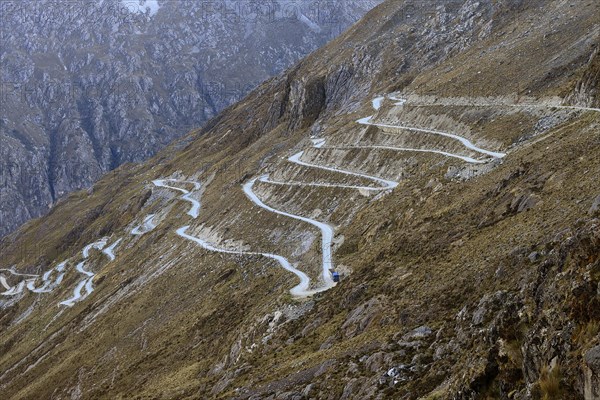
<point>89,85</point>
<point>441,157</point>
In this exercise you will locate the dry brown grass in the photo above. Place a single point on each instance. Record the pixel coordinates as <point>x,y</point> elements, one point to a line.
<point>549,383</point>
<point>587,333</point>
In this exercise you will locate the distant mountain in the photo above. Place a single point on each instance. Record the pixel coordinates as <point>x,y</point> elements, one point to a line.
<point>90,85</point>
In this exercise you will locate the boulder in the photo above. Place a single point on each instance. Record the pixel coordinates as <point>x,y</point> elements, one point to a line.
<point>375,362</point>
<point>533,257</point>
<point>418,333</point>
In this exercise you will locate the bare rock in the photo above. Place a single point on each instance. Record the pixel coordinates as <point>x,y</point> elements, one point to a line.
<point>523,202</point>
<point>418,333</point>
<point>592,374</point>
<point>376,361</point>
<point>328,343</point>
<point>595,208</point>
<point>360,318</point>
<point>533,256</point>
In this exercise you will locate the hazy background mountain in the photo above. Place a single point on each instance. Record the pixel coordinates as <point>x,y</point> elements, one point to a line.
<point>89,85</point>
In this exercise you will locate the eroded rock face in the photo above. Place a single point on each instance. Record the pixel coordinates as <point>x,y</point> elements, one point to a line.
<point>88,86</point>
<point>592,374</point>
<point>567,276</point>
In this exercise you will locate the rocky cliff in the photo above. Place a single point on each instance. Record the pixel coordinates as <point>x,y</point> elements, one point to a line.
<point>88,86</point>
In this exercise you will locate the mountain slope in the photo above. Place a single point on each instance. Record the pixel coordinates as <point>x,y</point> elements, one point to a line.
<point>88,86</point>
<point>464,213</point>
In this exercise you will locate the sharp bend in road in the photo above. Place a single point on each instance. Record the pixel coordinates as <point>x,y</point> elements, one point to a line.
<point>4,283</point>
<point>146,226</point>
<point>326,234</point>
<point>467,143</point>
<point>398,100</point>
<point>15,290</point>
<point>30,284</point>
<point>98,245</point>
<point>45,283</point>
<point>76,295</point>
<point>300,290</point>
<point>60,268</point>
<point>195,210</point>
<point>110,251</point>
<point>377,102</point>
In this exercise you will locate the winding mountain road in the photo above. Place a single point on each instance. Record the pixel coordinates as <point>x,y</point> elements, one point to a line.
<point>48,284</point>
<point>303,288</point>
<point>300,290</point>
<point>326,234</point>
<point>466,142</point>
<point>377,102</point>
<point>77,295</point>
<point>98,245</point>
<point>195,210</point>
<point>87,282</point>
<point>45,283</point>
<point>14,290</point>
